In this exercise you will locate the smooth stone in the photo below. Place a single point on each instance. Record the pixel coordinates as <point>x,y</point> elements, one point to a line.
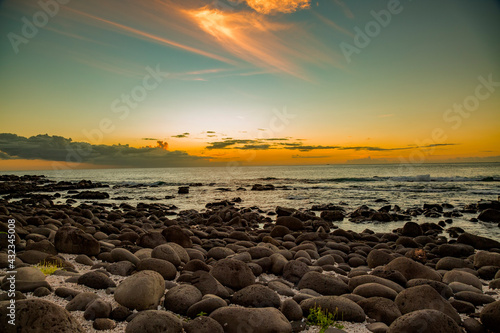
<point>424,321</point>
<point>424,297</point>
<point>141,291</point>
<point>41,316</point>
<point>262,320</point>
<point>346,309</point>
<point>154,321</point>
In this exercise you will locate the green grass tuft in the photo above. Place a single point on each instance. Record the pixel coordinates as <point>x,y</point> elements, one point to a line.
<point>47,268</point>
<point>323,319</point>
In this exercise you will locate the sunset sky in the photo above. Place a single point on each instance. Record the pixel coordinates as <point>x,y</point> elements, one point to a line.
<point>158,83</point>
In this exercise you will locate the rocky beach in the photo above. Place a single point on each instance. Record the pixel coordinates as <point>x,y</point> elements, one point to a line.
<point>151,267</point>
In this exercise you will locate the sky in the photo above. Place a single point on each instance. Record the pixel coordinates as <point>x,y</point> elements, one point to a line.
<point>159,83</point>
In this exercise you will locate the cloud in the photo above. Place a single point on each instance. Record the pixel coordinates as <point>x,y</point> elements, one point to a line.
<point>265,43</point>
<point>150,139</point>
<point>60,149</point>
<point>278,6</point>
<point>227,143</point>
<point>275,143</point>
<point>183,135</point>
<point>310,156</point>
<point>211,132</point>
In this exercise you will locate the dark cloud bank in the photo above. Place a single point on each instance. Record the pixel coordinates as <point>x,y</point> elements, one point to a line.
<point>60,149</point>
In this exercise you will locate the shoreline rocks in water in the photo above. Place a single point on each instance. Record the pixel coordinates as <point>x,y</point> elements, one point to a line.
<point>137,269</point>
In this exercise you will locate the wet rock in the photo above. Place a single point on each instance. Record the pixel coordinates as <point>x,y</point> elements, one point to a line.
<point>478,242</point>
<point>489,215</point>
<point>290,222</point>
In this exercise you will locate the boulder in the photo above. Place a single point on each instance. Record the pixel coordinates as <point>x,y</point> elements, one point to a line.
<point>344,307</point>
<point>181,297</point>
<point>203,325</point>
<point>165,268</point>
<point>257,296</point>
<point>478,242</point>
<point>485,258</point>
<point>463,277</point>
<point>368,290</point>
<point>154,321</point>
<point>233,273</point>
<point>490,316</point>
<point>96,280</point>
<point>175,234</point>
<point>425,297</point>
<point>290,222</point>
<point>381,309</point>
<point>421,321</point>
<point>40,316</point>
<point>75,241</point>
<point>262,320</point>
<point>141,291</point>
<point>489,215</point>
<point>323,284</point>
<point>412,269</point>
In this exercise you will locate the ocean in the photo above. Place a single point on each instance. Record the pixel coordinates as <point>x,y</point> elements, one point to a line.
<point>408,186</point>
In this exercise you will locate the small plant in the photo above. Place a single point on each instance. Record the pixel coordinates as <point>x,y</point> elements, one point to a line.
<point>47,268</point>
<point>201,314</point>
<point>323,318</point>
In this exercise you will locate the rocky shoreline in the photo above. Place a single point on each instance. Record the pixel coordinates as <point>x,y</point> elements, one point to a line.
<point>149,268</point>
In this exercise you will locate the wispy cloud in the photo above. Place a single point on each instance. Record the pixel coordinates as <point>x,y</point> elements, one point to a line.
<point>278,6</point>
<point>347,12</point>
<point>183,135</point>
